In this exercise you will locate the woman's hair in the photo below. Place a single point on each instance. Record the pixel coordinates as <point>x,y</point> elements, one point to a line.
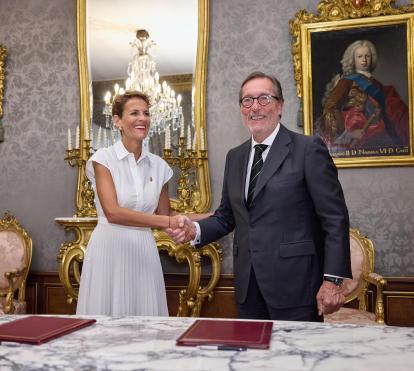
<point>120,100</point>
<point>348,59</point>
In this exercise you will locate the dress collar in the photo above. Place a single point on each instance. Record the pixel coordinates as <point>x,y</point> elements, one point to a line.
<point>122,152</point>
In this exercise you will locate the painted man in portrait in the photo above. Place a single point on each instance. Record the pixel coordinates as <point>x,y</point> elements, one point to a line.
<point>358,111</point>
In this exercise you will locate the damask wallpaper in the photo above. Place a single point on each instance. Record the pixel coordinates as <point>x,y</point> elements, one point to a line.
<point>42,101</point>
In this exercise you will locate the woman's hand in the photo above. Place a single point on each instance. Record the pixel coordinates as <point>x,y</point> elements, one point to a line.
<point>177,222</point>
<point>181,229</point>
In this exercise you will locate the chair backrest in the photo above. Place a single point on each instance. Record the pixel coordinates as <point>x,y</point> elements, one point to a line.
<point>15,254</point>
<point>362,261</point>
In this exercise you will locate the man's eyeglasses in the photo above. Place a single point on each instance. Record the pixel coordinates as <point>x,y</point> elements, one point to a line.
<point>263,100</point>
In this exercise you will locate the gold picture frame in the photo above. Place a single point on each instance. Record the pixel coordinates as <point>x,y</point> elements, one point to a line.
<point>3,55</point>
<point>363,110</point>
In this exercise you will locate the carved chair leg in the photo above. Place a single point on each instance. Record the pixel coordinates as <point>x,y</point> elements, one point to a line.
<point>9,306</point>
<point>379,303</point>
<point>214,252</point>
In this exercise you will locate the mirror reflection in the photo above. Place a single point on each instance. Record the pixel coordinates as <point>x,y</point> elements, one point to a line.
<point>149,46</point>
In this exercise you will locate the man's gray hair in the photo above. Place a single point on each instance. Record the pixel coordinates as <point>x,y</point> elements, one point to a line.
<point>348,60</point>
<point>277,88</point>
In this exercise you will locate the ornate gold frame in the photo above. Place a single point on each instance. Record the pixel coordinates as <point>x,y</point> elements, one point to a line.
<point>72,253</point>
<point>337,15</point>
<point>3,55</point>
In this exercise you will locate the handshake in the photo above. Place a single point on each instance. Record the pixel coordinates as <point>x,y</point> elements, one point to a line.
<point>181,229</point>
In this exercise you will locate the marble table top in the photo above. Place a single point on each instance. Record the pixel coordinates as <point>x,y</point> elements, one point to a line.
<point>148,343</point>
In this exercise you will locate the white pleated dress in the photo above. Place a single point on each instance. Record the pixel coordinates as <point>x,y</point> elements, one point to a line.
<point>121,273</point>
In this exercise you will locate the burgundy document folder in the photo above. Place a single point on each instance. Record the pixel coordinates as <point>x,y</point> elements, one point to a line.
<point>249,334</point>
<point>38,329</point>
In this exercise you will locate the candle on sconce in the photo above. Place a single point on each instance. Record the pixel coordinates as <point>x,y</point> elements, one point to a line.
<point>202,147</point>
<point>69,140</point>
<point>77,137</point>
<point>194,140</point>
<point>86,131</point>
<point>167,143</point>
<point>189,137</point>
<point>182,128</point>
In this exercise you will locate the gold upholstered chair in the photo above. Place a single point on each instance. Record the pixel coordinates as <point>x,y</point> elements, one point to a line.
<point>362,260</point>
<point>15,258</point>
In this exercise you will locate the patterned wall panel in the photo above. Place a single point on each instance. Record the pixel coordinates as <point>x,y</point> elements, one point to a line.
<point>41,103</point>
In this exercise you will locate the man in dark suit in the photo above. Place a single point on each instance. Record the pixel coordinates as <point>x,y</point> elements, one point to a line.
<point>285,204</point>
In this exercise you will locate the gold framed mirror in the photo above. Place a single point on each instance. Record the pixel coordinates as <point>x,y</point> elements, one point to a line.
<point>193,190</point>
<point>203,198</point>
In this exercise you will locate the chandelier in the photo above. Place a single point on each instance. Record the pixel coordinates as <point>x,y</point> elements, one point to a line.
<point>166,111</point>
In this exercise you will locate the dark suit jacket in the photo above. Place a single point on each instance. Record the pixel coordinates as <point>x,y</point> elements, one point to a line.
<point>297,228</point>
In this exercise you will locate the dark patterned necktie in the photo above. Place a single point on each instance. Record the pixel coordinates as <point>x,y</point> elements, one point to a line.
<point>256,169</point>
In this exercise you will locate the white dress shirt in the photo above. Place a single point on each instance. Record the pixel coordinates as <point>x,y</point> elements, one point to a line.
<point>268,141</point>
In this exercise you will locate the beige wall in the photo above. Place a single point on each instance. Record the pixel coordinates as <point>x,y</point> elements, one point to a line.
<point>42,102</point>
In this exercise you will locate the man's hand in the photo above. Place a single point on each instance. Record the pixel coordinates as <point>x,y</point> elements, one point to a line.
<point>329,298</point>
<point>177,221</point>
<point>184,232</point>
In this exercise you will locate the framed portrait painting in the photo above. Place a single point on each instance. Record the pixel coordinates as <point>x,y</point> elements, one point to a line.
<point>354,70</point>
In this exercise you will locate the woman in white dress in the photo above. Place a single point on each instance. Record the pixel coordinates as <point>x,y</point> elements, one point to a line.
<point>122,273</point>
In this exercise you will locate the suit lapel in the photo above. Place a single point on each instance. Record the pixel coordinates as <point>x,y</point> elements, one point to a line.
<point>244,159</point>
<point>277,154</point>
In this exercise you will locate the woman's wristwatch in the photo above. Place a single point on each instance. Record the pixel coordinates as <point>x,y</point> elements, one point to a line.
<point>336,280</point>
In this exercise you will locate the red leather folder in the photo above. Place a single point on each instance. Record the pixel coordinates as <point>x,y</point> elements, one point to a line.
<point>39,329</point>
<point>249,334</point>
